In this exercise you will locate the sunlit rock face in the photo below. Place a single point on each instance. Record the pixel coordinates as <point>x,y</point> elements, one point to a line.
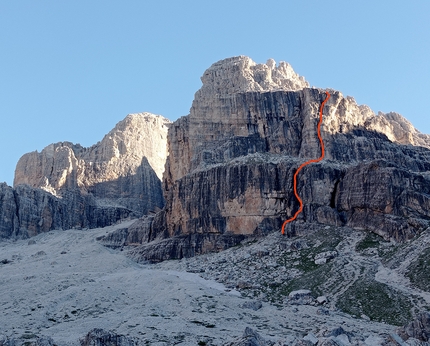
<point>69,186</point>
<point>231,162</point>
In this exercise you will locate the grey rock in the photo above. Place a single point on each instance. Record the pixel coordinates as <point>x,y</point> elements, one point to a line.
<point>249,338</point>
<point>39,254</point>
<point>336,332</point>
<point>253,305</point>
<point>100,337</point>
<point>342,339</point>
<point>183,246</point>
<point>398,339</point>
<point>322,299</point>
<point>419,328</point>
<point>300,297</point>
<point>312,338</point>
<point>324,257</point>
<point>374,340</point>
<point>302,342</point>
<point>243,284</point>
<point>323,311</point>
<point>40,341</point>
<point>44,341</point>
<point>328,342</point>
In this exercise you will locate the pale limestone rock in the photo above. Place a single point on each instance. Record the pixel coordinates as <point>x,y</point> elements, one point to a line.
<point>312,338</point>
<point>241,74</point>
<point>342,115</point>
<point>120,154</point>
<point>322,299</point>
<point>123,169</point>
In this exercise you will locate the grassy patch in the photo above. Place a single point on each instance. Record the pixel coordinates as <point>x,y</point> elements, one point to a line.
<point>313,276</point>
<point>419,271</point>
<point>371,240</point>
<point>376,300</point>
<point>312,280</point>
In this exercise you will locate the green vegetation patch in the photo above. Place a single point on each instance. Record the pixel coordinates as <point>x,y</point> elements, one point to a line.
<point>313,276</point>
<point>419,271</point>
<point>371,240</point>
<point>376,300</point>
<point>313,281</point>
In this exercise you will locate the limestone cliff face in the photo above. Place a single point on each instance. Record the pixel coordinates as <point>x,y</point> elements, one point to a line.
<point>66,185</point>
<point>232,159</point>
<point>123,169</point>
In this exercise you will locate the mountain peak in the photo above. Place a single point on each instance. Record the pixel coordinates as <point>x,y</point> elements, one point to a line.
<point>241,74</point>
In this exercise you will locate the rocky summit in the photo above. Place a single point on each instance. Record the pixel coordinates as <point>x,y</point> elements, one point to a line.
<point>175,228</point>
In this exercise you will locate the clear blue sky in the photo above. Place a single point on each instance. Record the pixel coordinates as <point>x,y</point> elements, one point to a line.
<point>70,70</point>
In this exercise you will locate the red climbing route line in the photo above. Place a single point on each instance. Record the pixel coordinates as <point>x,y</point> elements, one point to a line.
<point>305,164</point>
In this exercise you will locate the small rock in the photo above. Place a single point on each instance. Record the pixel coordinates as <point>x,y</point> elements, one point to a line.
<point>249,338</point>
<point>324,257</point>
<point>323,311</point>
<point>31,242</point>
<point>321,261</point>
<point>336,332</point>
<point>300,297</point>
<point>342,339</point>
<point>102,337</point>
<point>312,338</point>
<point>5,261</point>
<point>328,342</point>
<point>39,254</point>
<point>374,340</point>
<point>365,317</point>
<point>254,305</point>
<point>243,284</point>
<point>419,328</point>
<point>44,341</point>
<point>322,299</point>
<point>398,339</point>
<point>298,245</point>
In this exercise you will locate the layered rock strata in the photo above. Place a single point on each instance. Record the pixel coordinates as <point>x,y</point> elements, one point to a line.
<point>231,162</point>
<point>69,186</point>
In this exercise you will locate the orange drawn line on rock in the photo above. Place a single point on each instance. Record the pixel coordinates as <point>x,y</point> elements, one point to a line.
<point>305,164</point>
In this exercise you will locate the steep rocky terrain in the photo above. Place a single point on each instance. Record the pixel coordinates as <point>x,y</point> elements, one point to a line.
<point>68,186</point>
<point>229,173</point>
